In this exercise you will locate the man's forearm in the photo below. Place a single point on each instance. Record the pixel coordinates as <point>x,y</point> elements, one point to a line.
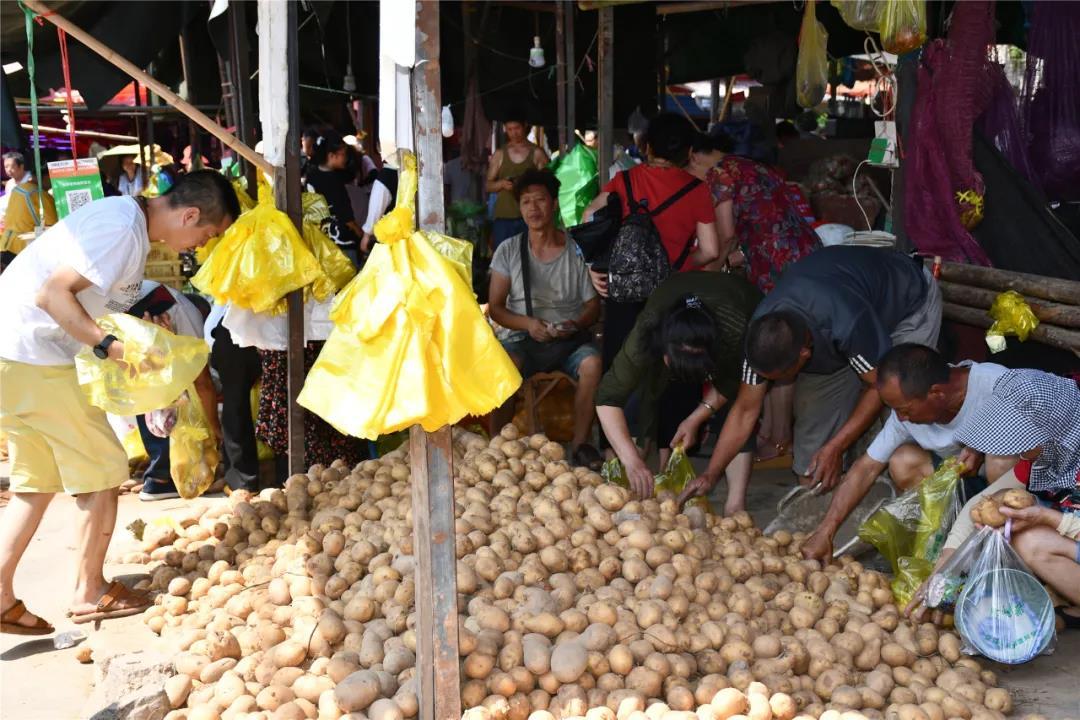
<point>63,307</point>
<point>613,421</point>
<point>507,319</point>
<point>862,417</point>
<point>733,436</point>
<point>851,492</point>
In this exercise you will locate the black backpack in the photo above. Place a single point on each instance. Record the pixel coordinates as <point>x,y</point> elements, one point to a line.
<point>639,262</point>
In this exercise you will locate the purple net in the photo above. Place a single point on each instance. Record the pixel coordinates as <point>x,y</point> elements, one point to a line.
<point>1000,124</point>
<point>1050,100</point>
<point>944,191</point>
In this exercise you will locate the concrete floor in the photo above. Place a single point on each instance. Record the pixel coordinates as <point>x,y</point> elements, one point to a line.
<point>38,682</point>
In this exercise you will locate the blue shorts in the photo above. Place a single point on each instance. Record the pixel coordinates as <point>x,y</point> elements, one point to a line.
<point>558,355</point>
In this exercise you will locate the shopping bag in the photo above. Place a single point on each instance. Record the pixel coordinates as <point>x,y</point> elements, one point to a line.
<point>259,260</point>
<point>337,268</point>
<point>266,331</point>
<point>812,66</point>
<point>157,367</point>
<point>410,344</point>
<point>193,450</point>
<point>579,182</point>
<point>902,25</point>
<point>892,528</point>
<point>1002,611</point>
<point>860,14</point>
<point>677,473</point>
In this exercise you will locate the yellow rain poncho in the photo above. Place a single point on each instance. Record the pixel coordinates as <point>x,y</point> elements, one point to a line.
<point>410,344</point>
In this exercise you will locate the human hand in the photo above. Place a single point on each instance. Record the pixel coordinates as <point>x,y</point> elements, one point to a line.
<point>116,352</point>
<point>507,185</point>
<point>686,434</point>
<point>539,330</point>
<point>697,487</point>
<point>1029,517</point>
<point>600,282</point>
<point>736,259</point>
<point>163,320</point>
<point>365,243</point>
<point>818,546</point>
<point>641,478</point>
<point>972,460</point>
<point>825,467</point>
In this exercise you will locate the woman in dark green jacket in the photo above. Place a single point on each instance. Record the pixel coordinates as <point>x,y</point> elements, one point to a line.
<point>689,335</point>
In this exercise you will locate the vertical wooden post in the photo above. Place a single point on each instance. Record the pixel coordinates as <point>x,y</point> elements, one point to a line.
<point>431,455</point>
<point>287,197</point>
<point>560,72</point>
<point>606,91</point>
<point>241,78</point>
<point>144,166</point>
<point>571,77</point>
<point>185,69</point>
<point>714,101</point>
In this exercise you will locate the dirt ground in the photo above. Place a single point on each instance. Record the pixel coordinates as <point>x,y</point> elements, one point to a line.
<point>38,682</point>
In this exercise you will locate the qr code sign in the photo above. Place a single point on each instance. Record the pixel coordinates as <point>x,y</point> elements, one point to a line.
<point>77,198</point>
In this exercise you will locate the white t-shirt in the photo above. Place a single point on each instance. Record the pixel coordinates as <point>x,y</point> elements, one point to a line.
<point>185,317</point>
<point>106,242</point>
<point>938,439</point>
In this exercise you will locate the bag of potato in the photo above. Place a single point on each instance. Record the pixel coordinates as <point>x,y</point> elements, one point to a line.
<point>193,450</point>
<point>157,366</point>
<point>678,472</point>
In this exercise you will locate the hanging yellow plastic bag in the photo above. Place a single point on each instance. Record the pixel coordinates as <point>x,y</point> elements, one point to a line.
<point>314,208</point>
<point>260,259</point>
<point>410,344</point>
<point>812,67</point>
<point>242,197</point>
<point>337,267</point>
<point>860,14</point>
<point>903,25</point>
<point>158,366</point>
<point>1012,316</point>
<point>193,450</point>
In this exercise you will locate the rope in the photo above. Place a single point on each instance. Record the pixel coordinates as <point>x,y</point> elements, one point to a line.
<point>62,37</point>
<point>29,17</point>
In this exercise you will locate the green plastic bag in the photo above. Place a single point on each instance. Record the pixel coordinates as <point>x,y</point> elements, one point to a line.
<point>860,14</point>
<point>579,182</point>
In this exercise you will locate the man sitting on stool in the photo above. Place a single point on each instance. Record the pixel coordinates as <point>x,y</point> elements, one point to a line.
<point>541,296</point>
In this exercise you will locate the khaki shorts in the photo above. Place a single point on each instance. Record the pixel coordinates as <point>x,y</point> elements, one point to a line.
<point>57,441</point>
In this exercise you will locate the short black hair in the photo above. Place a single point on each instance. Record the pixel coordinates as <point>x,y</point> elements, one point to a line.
<point>16,156</point>
<point>686,334</point>
<point>917,367</point>
<point>669,137</point>
<point>786,130</point>
<point>329,142</point>
<point>310,133</point>
<point>200,304</point>
<point>545,178</point>
<point>774,341</point>
<point>208,190</point>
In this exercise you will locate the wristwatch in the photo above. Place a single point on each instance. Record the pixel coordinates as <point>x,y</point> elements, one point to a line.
<point>101,350</point>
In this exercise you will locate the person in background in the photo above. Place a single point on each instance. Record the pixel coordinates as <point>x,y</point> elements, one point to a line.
<point>1035,416</point>
<point>383,197</point>
<point>829,320</point>
<point>16,170</point>
<point>508,163</point>
<point>187,161</point>
<point>183,315</point>
<point>687,338</point>
<point>86,266</point>
<point>931,402</point>
<point>328,176</point>
<point>25,203</point>
<point>546,316</point>
<point>130,181</point>
<point>462,186</point>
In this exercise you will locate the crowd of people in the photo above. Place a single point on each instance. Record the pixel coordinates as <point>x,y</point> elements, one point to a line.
<point>711,307</point>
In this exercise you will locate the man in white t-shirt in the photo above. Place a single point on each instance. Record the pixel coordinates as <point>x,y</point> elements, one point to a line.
<point>86,266</point>
<point>930,400</point>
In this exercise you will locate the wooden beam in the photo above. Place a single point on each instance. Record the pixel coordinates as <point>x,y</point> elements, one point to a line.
<point>729,94</point>
<point>240,53</point>
<point>1046,288</point>
<point>1046,334</point>
<point>571,77</point>
<point>1048,312</point>
<point>82,133</point>
<point>160,88</point>
<point>679,8</point>
<point>438,680</point>
<point>560,73</point>
<point>714,101</point>
<point>606,91</point>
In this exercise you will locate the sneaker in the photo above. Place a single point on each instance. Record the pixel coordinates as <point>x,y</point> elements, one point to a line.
<point>154,489</point>
<point>588,456</point>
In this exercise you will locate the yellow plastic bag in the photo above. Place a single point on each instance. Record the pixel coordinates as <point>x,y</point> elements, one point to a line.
<point>159,366</point>
<point>193,451</point>
<point>337,268</point>
<point>1012,316</point>
<point>860,14</point>
<point>260,259</point>
<point>812,67</point>
<point>903,25</point>
<point>678,472</point>
<point>410,344</point>
<point>240,188</point>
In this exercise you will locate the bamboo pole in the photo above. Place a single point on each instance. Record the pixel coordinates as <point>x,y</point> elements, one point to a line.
<point>160,88</point>
<point>1048,312</point>
<point>1046,288</point>
<point>82,133</point>
<point>1046,334</point>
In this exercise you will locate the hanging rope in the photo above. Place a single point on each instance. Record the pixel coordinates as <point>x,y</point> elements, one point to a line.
<point>62,37</point>
<point>29,16</point>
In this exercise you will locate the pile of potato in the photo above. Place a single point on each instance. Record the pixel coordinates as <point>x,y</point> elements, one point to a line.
<point>576,601</point>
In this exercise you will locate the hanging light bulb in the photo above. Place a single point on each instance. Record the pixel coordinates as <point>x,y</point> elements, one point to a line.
<point>349,83</point>
<point>536,53</point>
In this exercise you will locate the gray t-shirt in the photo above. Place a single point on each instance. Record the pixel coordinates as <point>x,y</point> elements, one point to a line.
<point>938,439</point>
<point>559,288</point>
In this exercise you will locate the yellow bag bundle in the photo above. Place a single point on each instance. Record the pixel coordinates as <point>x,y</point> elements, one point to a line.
<point>260,259</point>
<point>158,366</point>
<point>193,450</point>
<point>338,267</point>
<point>410,344</point>
<point>1012,316</point>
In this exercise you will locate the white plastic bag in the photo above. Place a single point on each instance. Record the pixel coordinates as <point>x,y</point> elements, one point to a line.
<point>271,332</point>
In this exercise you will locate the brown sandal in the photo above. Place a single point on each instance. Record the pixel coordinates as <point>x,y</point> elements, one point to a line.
<point>117,602</point>
<point>9,622</point>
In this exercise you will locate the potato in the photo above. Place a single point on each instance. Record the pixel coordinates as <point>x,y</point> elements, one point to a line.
<point>356,692</point>
<point>949,646</point>
<point>986,512</point>
<point>896,655</point>
<point>568,661</point>
<point>728,703</point>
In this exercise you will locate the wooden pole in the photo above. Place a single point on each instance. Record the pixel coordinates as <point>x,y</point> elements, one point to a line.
<point>185,70</point>
<point>729,93</point>
<point>1046,334</point>
<point>245,115</point>
<point>714,104</point>
<point>571,77</point>
<point>161,89</point>
<point>606,91</point>
<point>144,164</point>
<point>438,679</point>
<point>1047,312</point>
<point>1053,289</point>
<point>82,133</point>
<point>560,73</point>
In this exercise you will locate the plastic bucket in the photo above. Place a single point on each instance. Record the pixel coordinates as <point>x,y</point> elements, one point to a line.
<point>1006,615</point>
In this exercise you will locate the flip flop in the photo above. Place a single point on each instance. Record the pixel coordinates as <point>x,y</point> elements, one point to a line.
<point>112,605</point>
<point>9,622</point>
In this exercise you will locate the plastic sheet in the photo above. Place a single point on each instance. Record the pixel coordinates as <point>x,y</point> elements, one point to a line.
<point>193,451</point>
<point>1012,316</point>
<point>579,182</point>
<point>860,14</point>
<point>410,344</point>
<point>903,25</point>
<point>812,67</point>
<point>158,366</point>
<point>260,259</point>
